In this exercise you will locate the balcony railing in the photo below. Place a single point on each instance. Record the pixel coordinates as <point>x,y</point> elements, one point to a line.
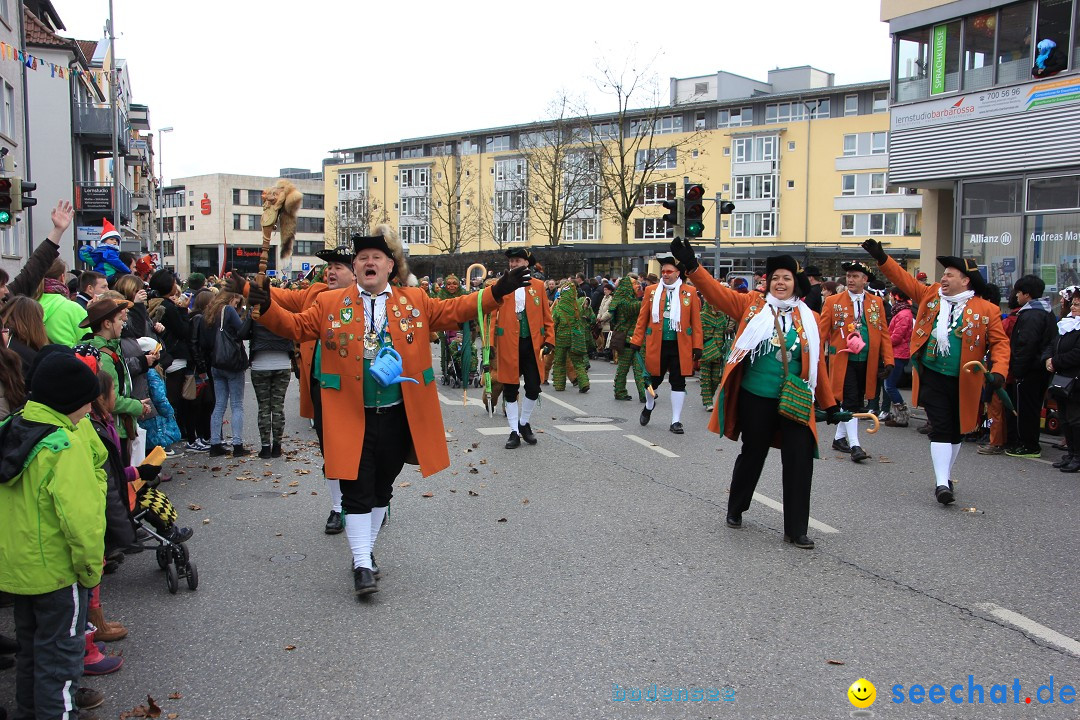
<point>99,197</point>
<point>94,120</point>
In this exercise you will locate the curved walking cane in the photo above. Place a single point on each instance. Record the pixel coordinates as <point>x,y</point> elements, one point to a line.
<point>872,418</point>
<point>976,366</point>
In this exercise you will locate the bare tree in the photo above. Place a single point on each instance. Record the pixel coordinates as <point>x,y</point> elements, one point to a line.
<point>562,176</point>
<point>502,214</point>
<point>453,221</point>
<point>351,217</point>
<point>639,144</point>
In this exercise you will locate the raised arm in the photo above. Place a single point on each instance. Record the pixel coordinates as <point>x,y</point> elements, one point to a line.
<point>726,300</point>
<point>897,275</point>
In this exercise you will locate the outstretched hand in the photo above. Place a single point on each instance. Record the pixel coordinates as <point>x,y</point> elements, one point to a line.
<point>511,281</point>
<point>684,253</point>
<point>235,282</point>
<point>259,295</point>
<point>875,249</point>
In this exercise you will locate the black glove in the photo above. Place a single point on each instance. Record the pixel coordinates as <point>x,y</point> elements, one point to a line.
<point>259,296</point>
<point>884,372</point>
<point>835,415</point>
<point>235,282</point>
<point>684,254</point>
<point>696,353</point>
<point>149,474</point>
<point>995,381</point>
<point>546,349</point>
<point>511,281</point>
<point>877,252</point>
<point>632,347</point>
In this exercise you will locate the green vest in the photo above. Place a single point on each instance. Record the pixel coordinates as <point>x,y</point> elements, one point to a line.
<point>375,395</point>
<point>668,333</point>
<point>765,373</point>
<point>523,323</point>
<point>944,364</point>
<point>864,333</point>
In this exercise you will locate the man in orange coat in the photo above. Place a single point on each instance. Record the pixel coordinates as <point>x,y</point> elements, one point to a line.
<point>523,332</point>
<point>377,381</point>
<point>669,326</point>
<point>856,337</point>
<point>953,327</point>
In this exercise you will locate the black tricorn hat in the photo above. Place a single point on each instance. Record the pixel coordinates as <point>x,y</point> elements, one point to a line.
<point>856,266</point>
<point>523,253</point>
<point>341,254</point>
<point>969,267</point>
<point>813,271</point>
<point>666,258</point>
<point>786,262</point>
<point>370,242</point>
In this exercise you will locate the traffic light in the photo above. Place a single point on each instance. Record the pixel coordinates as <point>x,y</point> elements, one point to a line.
<point>695,226</point>
<point>726,207</point>
<point>674,215</point>
<point>5,202</point>
<point>19,198</point>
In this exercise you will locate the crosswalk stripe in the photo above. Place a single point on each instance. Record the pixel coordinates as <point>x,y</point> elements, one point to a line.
<point>652,446</point>
<point>1031,627</point>
<point>816,524</point>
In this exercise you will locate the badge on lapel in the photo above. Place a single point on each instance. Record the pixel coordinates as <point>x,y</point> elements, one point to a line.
<point>346,314</point>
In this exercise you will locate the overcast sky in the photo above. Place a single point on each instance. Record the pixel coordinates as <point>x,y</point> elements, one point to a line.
<point>251,87</point>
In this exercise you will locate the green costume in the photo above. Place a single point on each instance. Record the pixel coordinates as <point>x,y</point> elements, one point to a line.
<point>444,342</point>
<point>572,321</point>
<point>624,309</point>
<point>718,330</point>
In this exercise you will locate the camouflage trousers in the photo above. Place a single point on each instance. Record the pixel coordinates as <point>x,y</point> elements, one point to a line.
<point>711,373</point>
<point>270,387</point>
<point>578,361</point>
<point>626,361</point>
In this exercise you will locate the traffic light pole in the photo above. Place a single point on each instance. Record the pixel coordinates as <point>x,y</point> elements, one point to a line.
<point>716,250</point>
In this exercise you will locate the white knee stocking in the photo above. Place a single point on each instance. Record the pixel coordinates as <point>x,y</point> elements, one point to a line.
<point>358,530</point>
<point>942,455</point>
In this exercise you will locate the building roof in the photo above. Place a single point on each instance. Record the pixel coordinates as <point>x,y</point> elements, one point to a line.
<point>40,34</point>
<point>88,47</point>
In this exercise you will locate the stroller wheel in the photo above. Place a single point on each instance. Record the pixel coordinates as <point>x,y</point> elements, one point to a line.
<point>162,557</point>
<point>172,579</point>
<point>192,576</point>
<point>182,552</point>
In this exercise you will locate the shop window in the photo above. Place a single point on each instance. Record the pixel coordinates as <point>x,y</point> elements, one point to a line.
<point>996,197</point>
<point>1053,193</point>
<point>979,50</point>
<point>945,74</point>
<point>1014,43</point>
<point>995,243</point>
<point>1054,23</point>
<point>1050,250</point>
<point>913,65</point>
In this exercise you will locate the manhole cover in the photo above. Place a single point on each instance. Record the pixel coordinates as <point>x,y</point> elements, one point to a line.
<point>291,557</point>
<point>595,419</point>
<point>247,495</point>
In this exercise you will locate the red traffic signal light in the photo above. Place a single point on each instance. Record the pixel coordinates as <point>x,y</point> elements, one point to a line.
<point>694,192</point>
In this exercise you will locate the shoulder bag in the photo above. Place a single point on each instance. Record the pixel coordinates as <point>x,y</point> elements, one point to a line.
<point>796,399</point>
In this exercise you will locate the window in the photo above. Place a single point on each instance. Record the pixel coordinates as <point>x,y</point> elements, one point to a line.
<point>791,145</point>
<point>254,222</point>
<point>312,201</point>
<point>945,74</point>
<point>254,197</point>
<point>851,105</point>
<point>735,117</point>
<point>310,225</point>
<point>847,185</point>
<point>1053,193</point>
<point>348,181</point>
<point>656,159</point>
<point>9,242</point>
<point>652,229</point>
<point>235,220</point>
<point>847,224</point>
<point>417,234</point>
<point>913,65</point>
<point>498,143</point>
<point>414,206</point>
<point>510,231</point>
<point>412,152</point>
<point>581,229</point>
<point>996,197</point>
<point>656,193</point>
<point>791,111</point>
<point>881,101</point>
<point>235,196</point>
<point>701,88</point>
<point>979,50</point>
<point>509,201</point>
<point>790,184</point>
<point>699,120</point>
<point>470,147</point>
<point>879,143</point>
<point>657,126</point>
<point>1054,23</point>
<point>309,247</point>
<point>1014,43</point>
<point>753,224</point>
<point>413,177</point>
<point>511,169</point>
<point>605,131</point>
<point>877,224</point>
<point>877,183</point>
<point>756,149</point>
<point>755,187</point>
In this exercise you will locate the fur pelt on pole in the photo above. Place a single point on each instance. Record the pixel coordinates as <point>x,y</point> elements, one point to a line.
<point>280,205</point>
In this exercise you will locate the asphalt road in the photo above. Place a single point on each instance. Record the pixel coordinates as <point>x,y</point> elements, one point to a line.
<point>545,581</point>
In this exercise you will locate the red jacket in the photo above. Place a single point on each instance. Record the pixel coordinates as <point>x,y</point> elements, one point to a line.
<point>900,330</point>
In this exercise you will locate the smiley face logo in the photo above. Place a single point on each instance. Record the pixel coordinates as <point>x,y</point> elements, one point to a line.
<point>862,693</point>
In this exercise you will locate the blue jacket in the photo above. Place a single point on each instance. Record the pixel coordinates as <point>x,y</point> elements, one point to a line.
<point>105,258</point>
<point>162,428</point>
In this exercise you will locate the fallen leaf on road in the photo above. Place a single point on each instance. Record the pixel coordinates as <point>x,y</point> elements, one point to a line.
<point>473,494</point>
<point>453,490</point>
<point>474,471</point>
<point>502,520</point>
<point>216,468</point>
<point>427,494</point>
<point>302,471</point>
<point>290,647</point>
<point>193,506</point>
<point>173,716</point>
<point>294,483</point>
<point>484,461</point>
<point>314,493</point>
<point>267,473</point>
<point>475,445</point>
<point>405,484</point>
<point>206,521</point>
<point>971,510</point>
<point>277,534</point>
<point>835,662</point>
<point>175,696</point>
<point>525,501</point>
<point>884,459</point>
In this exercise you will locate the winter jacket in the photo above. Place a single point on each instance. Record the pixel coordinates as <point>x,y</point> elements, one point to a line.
<point>105,258</point>
<point>262,340</point>
<point>52,490</point>
<point>26,282</point>
<point>62,318</point>
<point>161,429</point>
<point>126,403</point>
<point>177,335</point>
<point>1064,351</point>
<point>119,530</point>
<point>1034,331</point>
<point>900,330</point>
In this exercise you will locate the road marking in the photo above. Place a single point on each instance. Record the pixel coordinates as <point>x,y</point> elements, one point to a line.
<point>493,431</point>
<point>447,401</point>
<point>565,404</point>
<point>585,428</point>
<point>1031,627</point>
<point>816,524</point>
<point>651,446</point>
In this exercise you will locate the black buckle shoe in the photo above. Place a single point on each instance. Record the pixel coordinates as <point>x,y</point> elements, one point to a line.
<point>734,520</point>
<point>646,415</point>
<point>944,494</point>
<point>800,542</point>
<point>676,428</point>
<point>364,581</point>
<point>841,445</point>
<point>858,454</point>
<point>333,523</point>
<point>514,441</point>
<point>275,450</point>
<point>527,434</point>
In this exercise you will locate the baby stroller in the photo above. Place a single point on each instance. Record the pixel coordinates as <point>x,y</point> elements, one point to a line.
<point>462,371</point>
<point>156,516</point>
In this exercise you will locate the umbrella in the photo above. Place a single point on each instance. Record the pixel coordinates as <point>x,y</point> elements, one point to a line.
<point>1006,401</point>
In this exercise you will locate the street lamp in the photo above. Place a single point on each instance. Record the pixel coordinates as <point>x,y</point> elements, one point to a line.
<point>161,192</point>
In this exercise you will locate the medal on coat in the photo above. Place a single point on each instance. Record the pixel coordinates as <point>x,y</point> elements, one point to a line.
<point>346,314</point>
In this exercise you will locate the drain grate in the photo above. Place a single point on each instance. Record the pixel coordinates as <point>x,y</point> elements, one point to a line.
<point>248,495</point>
<point>289,558</point>
<point>595,419</point>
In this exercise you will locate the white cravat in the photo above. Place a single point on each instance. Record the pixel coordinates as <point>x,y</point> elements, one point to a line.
<point>857,303</point>
<point>519,299</point>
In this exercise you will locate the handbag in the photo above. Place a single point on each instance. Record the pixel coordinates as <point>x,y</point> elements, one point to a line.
<point>618,340</point>
<point>1062,387</point>
<point>190,390</point>
<point>796,399</point>
<point>228,352</point>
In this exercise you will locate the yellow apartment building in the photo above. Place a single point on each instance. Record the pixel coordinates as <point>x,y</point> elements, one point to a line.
<point>805,162</point>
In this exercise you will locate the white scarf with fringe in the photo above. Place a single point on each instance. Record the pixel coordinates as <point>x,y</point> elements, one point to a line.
<point>674,307</point>
<point>955,305</point>
<point>755,339</point>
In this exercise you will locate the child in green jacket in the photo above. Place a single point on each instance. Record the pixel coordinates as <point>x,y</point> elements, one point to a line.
<point>52,497</point>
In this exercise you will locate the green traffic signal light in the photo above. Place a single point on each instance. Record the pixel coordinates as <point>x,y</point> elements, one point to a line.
<point>5,217</point>
<point>695,225</point>
<point>694,228</point>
